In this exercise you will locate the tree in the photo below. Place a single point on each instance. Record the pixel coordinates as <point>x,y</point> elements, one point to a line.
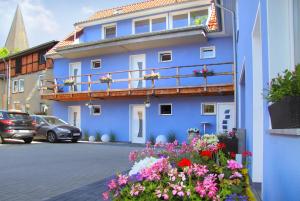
<point>4,52</point>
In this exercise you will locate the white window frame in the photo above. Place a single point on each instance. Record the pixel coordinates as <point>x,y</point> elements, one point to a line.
<point>108,26</point>
<point>165,52</point>
<point>208,114</point>
<point>208,47</point>
<point>15,82</point>
<point>92,66</point>
<point>150,21</point>
<point>92,110</point>
<point>19,86</point>
<point>41,76</point>
<point>187,11</point>
<point>162,104</point>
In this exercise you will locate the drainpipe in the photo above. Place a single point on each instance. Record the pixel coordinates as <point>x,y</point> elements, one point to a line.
<point>7,80</point>
<point>234,55</point>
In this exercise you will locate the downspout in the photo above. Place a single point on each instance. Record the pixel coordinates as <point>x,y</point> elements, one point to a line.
<point>234,55</point>
<point>7,80</point>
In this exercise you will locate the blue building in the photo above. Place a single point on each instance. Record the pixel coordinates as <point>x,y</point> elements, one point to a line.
<point>268,38</point>
<point>136,71</point>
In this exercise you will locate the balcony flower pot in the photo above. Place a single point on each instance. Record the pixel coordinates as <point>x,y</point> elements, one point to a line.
<point>105,79</point>
<point>284,94</point>
<point>152,76</point>
<point>69,82</point>
<point>285,113</point>
<point>203,73</point>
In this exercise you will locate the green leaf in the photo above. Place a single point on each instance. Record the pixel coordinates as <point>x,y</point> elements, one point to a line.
<point>4,52</point>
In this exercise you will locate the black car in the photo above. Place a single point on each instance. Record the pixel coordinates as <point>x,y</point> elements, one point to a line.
<point>16,125</point>
<point>54,129</point>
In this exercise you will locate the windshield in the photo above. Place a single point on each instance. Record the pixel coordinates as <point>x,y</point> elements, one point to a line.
<point>54,121</point>
<point>18,116</point>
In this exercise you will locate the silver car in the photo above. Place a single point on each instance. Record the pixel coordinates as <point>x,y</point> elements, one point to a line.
<point>54,129</point>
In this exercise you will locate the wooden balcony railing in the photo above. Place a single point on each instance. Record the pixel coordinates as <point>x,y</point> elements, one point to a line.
<point>149,80</point>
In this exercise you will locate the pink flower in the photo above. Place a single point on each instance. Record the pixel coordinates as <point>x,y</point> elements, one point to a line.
<point>236,175</point>
<point>200,170</point>
<point>112,184</point>
<point>221,176</point>
<point>233,165</point>
<point>105,195</point>
<point>122,180</point>
<point>133,156</point>
<point>207,188</point>
<point>136,189</point>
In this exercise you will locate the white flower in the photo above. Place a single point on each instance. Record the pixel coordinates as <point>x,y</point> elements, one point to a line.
<point>143,164</point>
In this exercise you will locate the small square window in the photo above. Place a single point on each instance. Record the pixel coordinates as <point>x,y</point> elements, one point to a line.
<point>96,64</point>
<point>42,59</point>
<point>165,109</point>
<point>208,109</point>
<point>207,52</point>
<point>110,31</point>
<point>96,110</point>
<point>21,85</point>
<point>165,56</point>
<point>15,86</point>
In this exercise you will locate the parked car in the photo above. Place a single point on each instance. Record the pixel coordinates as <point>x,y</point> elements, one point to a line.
<point>16,125</point>
<point>54,129</point>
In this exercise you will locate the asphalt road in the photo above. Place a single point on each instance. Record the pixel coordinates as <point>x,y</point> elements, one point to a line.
<point>63,171</point>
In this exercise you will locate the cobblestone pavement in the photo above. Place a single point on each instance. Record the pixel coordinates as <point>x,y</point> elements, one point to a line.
<point>59,172</point>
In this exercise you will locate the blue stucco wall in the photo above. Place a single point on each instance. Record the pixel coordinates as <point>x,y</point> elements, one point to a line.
<point>115,116</point>
<point>281,166</point>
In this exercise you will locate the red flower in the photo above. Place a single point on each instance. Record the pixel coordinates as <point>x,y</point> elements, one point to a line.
<point>221,145</point>
<point>184,163</point>
<point>247,153</point>
<point>232,154</point>
<point>206,153</point>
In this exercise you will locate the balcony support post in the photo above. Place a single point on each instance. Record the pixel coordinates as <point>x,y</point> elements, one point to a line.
<point>55,86</point>
<point>89,83</point>
<point>177,76</point>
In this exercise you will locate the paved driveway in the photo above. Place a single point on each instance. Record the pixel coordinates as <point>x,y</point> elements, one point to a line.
<point>62,171</point>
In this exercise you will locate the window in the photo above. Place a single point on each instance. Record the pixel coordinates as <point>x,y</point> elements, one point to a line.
<point>109,31</point>
<point>43,108</point>
<point>189,18</point>
<point>165,109</point>
<point>207,52</point>
<point>198,17</point>
<point>165,56</point>
<point>96,110</point>
<point>142,26</point>
<point>21,85</point>
<point>208,108</point>
<point>180,20</point>
<point>42,59</point>
<point>17,106</point>
<point>96,64</point>
<point>18,65</point>
<point>40,81</point>
<point>15,86</point>
<point>159,24</point>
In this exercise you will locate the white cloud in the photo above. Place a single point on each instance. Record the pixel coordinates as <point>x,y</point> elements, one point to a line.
<point>87,11</point>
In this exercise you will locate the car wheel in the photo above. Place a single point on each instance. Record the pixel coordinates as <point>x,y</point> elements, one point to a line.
<point>28,140</point>
<point>51,137</point>
<point>1,140</point>
<point>74,140</point>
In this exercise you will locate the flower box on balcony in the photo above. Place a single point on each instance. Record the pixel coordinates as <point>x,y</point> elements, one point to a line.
<point>106,79</point>
<point>69,82</point>
<point>152,76</point>
<point>203,73</point>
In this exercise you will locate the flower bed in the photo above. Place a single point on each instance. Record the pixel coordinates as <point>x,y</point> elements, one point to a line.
<point>199,171</point>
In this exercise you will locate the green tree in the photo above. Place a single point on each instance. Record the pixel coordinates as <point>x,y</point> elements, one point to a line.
<point>4,52</point>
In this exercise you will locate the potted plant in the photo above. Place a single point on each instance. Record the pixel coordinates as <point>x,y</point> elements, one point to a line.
<point>69,82</point>
<point>105,79</point>
<point>284,96</point>
<point>231,142</point>
<point>203,73</point>
<point>152,76</point>
<point>192,133</point>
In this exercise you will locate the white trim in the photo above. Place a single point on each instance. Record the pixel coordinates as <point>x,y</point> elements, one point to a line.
<point>92,66</point>
<point>242,75</point>
<point>92,111</point>
<point>208,103</point>
<point>213,48</point>
<point>144,122</point>
<point>165,52</point>
<point>217,114</point>
<point>150,18</point>
<point>79,115</point>
<point>159,109</point>
<point>79,73</point>
<point>13,86</point>
<point>19,85</point>
<point>108,26</point>
<point>141,13</point>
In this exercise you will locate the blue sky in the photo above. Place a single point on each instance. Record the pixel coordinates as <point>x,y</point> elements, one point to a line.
<point>47,20</point>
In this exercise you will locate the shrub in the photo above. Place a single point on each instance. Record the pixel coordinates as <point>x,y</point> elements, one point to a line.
<point>171,137</point>
<point>98,136</point>
<point>86,135</point>
<point>112,136</point>
<point>284,85</point>
<point>152,139</point>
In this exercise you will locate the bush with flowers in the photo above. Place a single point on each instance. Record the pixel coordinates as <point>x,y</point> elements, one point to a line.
<point>197,171</point>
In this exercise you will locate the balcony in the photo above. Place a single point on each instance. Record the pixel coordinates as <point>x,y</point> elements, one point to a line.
<point>165,81</point>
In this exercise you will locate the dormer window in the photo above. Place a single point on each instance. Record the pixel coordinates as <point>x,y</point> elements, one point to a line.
<point>150,24</point>
<point>194,17</point>
<point>142,26</point>
<point>109,31</point>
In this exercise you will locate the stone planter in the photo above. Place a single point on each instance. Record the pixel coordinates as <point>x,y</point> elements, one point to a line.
<point>192,135</point>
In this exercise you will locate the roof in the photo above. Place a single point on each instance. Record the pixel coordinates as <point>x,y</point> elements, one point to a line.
<point>131,8</point>
<point>17,37</point>
<point>69,40</point>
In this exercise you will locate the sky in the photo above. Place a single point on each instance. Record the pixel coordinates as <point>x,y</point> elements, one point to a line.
<point>47,20</point>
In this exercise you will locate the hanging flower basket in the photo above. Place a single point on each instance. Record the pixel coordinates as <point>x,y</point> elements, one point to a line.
<point>152,76</point>
<point>106,79</point>
<point>203,73</point>
<point>69,82</point>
